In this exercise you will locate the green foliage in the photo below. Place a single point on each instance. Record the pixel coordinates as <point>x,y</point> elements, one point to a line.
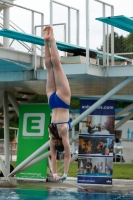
<point>121,44</point>
<point>39,98</point>
<point>121,104</point>
<point>75,104</point>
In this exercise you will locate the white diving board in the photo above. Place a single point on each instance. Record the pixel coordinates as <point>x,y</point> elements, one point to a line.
<point>62,46</point>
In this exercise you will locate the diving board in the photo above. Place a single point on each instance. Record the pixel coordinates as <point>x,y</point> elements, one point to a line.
<point>121,21</point>
<point>62,46</point>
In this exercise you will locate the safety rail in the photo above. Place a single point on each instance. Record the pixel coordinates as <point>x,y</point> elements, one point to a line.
<point>30,49</point>
<point>35,46</point>
<point>12,148</point>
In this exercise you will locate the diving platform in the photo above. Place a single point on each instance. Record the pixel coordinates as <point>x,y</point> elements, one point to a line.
<point>62,46</point>
<point>122,22</point>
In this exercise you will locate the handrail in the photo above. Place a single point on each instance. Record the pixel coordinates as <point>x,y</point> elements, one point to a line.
<point>6,2</point>
<point>43,26</point>
<point>69,19</point>
<point>21,42</point>
<point>30,49</point>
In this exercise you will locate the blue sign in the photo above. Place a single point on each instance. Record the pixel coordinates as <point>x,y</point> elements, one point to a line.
<point>107,108</point>
<point>96,142</point>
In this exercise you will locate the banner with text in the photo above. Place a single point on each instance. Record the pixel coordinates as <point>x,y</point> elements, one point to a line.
<point>96,141</point>
<point>33,133</point>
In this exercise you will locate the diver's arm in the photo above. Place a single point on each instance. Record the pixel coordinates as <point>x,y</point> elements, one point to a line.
<point>53,159</point>
<point>67,155</point>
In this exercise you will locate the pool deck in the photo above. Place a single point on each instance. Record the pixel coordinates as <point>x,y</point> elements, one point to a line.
<point>71,185</point>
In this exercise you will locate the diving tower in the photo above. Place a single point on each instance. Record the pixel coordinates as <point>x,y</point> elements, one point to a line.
<point>25,73</point>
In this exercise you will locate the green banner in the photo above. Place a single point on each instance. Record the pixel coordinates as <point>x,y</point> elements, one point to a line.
<point>33,133</point>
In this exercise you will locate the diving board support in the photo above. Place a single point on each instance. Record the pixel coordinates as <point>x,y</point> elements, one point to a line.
<point>102,100</point>
<point>6,18</point>
<point>76,121</point>
<point>1,98</point>
<point>124,110</point>
<point>14,102</point>
<point>6,132</point>
<point>30,158</point>
<point>75,157</point>
<point>122,121</point>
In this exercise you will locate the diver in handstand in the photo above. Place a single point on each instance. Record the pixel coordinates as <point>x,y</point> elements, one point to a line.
<point>59,95</point>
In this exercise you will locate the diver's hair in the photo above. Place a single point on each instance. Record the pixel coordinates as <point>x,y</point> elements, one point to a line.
<point>54,131</point>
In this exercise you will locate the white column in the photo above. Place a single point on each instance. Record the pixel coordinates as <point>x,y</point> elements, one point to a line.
<point>6,132</point>
<point>6,17</point>
<point>73,129</point>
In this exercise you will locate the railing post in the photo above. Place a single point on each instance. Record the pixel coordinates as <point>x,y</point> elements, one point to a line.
<point>6,26</point>
<point>6,132</point>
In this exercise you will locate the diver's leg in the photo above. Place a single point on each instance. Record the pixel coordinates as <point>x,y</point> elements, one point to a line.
<point>50,85</point>
<point>62,84</point>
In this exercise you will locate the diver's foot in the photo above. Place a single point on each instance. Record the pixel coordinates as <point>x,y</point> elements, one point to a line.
<point>46,33</point>
<point>61,179</point>
<point>51,34</point>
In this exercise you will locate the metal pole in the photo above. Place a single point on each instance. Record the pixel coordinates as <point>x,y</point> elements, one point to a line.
<point>36,160</point>
<point>51,12</point>
<point>8,3</point>
<point>87,34</point>
<point>1,98</point>
<point>78,28</point>
<point>6,132</point>
<point>107,46</point>
<point>30,158</point>
<point>39,158</point>
<point>102,100</point>
<point>69,25</point>
<point>6,26</point>
<point>112,38</point>
<point>14,102</point>
<point>73,129</point>
<point>32,24</point>
<point>42,22</point>
<point>75,157</point>
<point>76,121</point>
<point>104,39</point>
<point>125,119</point>
<point>124,110</point>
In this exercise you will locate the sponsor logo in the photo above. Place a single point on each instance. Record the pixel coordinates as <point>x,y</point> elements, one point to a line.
<point>100,107</point>
<point>108,181</point>
<point>33,124</point>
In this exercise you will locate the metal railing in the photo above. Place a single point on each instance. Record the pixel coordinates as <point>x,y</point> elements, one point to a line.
<point>35,53</point>
<point>69,19</point>
<point>12,149</point>
<point>30,49</point>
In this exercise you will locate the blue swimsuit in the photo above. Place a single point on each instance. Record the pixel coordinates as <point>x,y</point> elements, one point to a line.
<point>56,102</point>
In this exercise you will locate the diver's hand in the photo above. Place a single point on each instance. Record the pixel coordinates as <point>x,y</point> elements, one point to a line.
<point>56,177</point>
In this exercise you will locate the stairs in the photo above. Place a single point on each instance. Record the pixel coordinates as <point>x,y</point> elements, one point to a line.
<point>24,99</point>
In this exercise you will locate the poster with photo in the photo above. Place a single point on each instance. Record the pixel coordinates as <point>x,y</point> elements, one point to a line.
<point>101,120</point>
<point>95,153</point>
<point>95,159</point>
<point>95,170</point>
